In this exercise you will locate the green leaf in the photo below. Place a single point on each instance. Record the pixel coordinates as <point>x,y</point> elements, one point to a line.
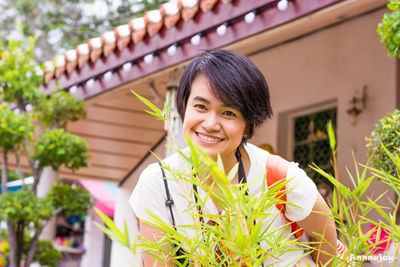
<point>153,107</point>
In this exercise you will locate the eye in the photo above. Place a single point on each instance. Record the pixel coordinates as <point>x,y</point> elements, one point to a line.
<point>200,107</point>
<point>229,113</point>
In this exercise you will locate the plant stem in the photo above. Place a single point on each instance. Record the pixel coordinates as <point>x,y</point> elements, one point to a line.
<point>19,168</point>
<point>33,246</point>
<point>4,172</point>
<point>32,165</point>
<point>12,241</point>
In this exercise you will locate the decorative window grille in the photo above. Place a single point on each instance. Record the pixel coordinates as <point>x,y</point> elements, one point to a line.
<point>311,142</point>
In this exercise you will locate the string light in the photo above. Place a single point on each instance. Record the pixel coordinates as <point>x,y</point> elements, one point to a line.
<point>90,83</point>
<point>172,50</point>
<point>149,58</point>
<point>249,17</point>
<point>221,30</point>
<point>127,66</point>
<point>73,90</point>
<point>195,40</point>
<point>283,5</point>
<point>108,75</point>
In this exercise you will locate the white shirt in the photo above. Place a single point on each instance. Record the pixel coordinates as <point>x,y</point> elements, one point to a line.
<point>150,194</point>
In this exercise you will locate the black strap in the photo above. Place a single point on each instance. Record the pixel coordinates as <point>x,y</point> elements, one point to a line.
<point>169,202</point>
<point>196,193</point>
<point>241,173</point>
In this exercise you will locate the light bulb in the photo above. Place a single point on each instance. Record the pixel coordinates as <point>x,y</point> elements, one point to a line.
<point>127,66</point>
<point>90,83</point>
<point>195,40</point>
<point>172,50</point>
<point>283,5</point>
<point>107,76</point>
<point>73,90</point>
<point>221,30</point>
<point>249,17</point>
<point>148,58</point>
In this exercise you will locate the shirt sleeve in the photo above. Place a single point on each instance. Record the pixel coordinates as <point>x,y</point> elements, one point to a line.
<point>149,195</point>
<point>302,192</point>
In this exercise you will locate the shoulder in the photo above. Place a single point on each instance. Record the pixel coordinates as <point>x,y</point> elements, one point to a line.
<point>258,157</point>
<point>152,175</point>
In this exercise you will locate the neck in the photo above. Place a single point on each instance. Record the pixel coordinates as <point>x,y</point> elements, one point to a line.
<point>229,161</point>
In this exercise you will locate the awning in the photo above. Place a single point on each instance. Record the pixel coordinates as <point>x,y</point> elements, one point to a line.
<point>104,193</point>
<point>17,184</point>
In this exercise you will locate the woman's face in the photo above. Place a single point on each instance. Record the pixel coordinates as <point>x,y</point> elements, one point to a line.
<point>209,123</point>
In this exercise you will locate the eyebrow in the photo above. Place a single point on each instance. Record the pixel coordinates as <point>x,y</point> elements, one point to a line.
<point>202,99</point>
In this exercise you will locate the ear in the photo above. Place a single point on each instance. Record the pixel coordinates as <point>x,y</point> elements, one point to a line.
<point>246,132</point>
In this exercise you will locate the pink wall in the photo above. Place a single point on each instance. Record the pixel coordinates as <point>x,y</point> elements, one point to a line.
<point>331,65</point>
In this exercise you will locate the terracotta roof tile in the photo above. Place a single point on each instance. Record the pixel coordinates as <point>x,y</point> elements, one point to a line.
<point>207,5</point>
<point>109,43</point>
<point>71,57</point>
<point>190,8</point>
<point>82,52</point>
<point>151,23</point>
<point>172,14</point>
<point>167,28</point>
<point>155,22</point>
<point>138,29</point>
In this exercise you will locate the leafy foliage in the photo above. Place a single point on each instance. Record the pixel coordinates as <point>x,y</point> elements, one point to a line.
<point>20,75</point>
<point>23,103</point>
<point>13,128</point>
<point>57,147</point>
<point>385,136</point>
<point>73,200</point>
<point>235,235</point>
<point>24,206</point>
<point>389,29</point>
<point>61,108</point>
<point>233,239</point>
<point>46,254</point>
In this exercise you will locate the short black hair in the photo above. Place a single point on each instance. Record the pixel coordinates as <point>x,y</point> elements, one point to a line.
<point>234,80</point>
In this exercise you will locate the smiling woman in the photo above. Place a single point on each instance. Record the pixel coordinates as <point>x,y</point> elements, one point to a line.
<point>222,98</point>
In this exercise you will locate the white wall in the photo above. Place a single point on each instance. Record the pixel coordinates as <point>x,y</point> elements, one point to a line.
<point>121,256</point>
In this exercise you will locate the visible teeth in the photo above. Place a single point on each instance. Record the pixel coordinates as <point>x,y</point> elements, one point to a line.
<point>208,138</point>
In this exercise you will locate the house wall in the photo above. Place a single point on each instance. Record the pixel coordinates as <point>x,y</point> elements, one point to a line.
<point>330,67</point>
<point>323,68</point>
<point>121,256</point>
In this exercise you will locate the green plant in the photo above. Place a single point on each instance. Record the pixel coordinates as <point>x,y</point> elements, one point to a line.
<point>55,147</point>
<point>384,141</point>
<point>73,200</point>
<point>233,239</point>
<point>59,109</point>
<point>389,28</point>
<point>350,209</point>
<point>46,254</point>
<point>29,127</point>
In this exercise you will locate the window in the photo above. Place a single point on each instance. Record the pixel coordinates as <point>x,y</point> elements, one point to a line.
<point>311,142</point>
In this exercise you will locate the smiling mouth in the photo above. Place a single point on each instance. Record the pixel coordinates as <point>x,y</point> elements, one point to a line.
<point>209,138</point>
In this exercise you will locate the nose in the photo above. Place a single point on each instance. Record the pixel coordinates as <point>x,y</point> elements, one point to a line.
<point>211,122</point>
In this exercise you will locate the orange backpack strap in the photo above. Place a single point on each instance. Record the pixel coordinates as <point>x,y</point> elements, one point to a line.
<point>277,169</point>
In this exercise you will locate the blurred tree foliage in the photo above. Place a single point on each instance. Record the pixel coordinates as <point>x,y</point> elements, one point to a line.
<point>389,28</point>
<point>63,24</point>
<point>32,126</point>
